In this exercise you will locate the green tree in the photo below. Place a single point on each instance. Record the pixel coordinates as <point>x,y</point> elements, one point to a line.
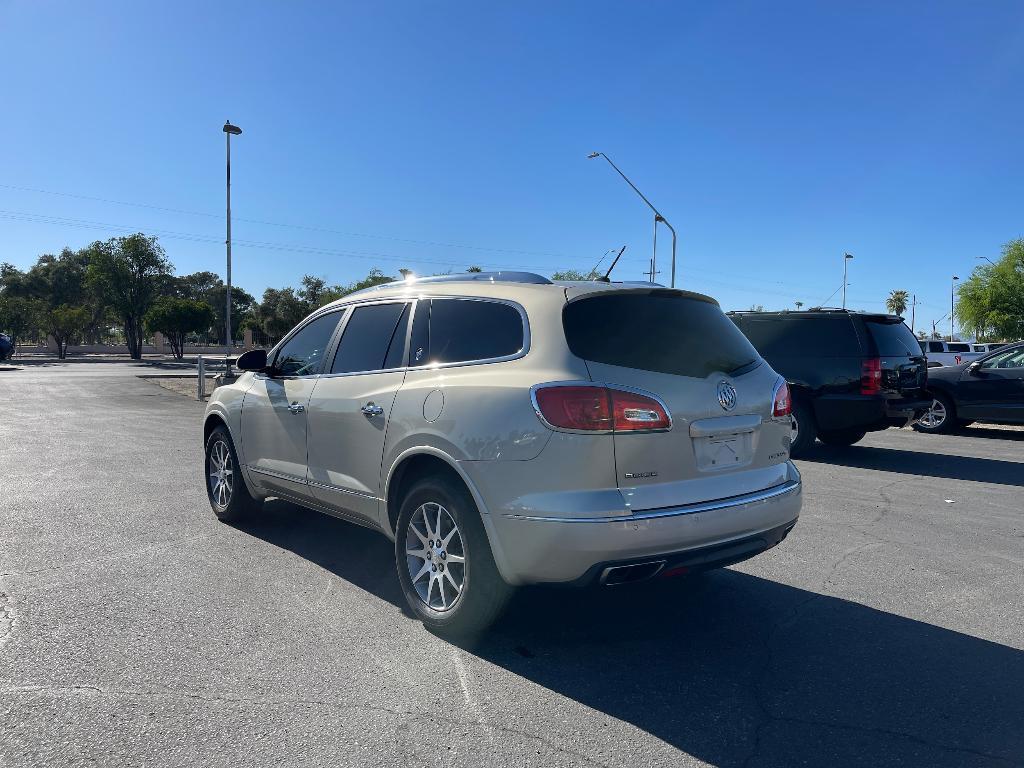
<point>242,304</point>
<point>19,316</point>
<point>990,303</point>
<point>175,318</point>
<point>474,268</point>
<point>897,302</point>
<point>575,275</point>
<point>128,273</point>
<point>65,323</point>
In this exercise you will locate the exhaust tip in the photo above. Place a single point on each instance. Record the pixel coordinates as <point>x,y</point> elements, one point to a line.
<point>631,574</point>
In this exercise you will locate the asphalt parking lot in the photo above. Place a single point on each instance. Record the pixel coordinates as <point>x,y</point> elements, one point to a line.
<point>136,629</point>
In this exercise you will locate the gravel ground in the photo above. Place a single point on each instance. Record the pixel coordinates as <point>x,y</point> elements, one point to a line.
<point>137,630</point>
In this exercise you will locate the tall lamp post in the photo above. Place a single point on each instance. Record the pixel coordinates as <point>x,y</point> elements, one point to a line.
<point>846,260</point>
<point>229,131</point>
<point>657,217</point>
<point>952,294</point>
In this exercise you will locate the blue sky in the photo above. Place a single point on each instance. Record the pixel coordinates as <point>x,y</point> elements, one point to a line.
<point>434,135</point>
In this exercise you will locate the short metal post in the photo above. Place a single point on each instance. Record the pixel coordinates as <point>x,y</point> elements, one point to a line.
<point>201,380</point>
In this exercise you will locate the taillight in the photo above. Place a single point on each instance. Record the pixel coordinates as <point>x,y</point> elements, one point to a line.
<point>596,408</point>
<point>871,376</point>
<point>783,405</point>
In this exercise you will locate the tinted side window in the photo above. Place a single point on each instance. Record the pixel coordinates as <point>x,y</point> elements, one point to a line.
<point>465,330</point>
<point>959,347</point>
<point>302,354</point>
<point>368,337</point>
<point>935,346</point>
<point>780,337</point>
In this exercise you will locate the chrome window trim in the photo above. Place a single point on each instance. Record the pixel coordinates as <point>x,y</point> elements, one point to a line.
<point>758,497</point>
<point>623,387</point>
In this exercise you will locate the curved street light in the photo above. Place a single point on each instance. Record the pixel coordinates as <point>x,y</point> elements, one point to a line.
<point>657,217</point>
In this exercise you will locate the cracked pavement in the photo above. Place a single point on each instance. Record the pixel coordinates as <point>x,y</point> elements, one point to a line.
<point>137,630</point>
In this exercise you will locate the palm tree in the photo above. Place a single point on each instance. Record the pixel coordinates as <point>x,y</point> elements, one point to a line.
<point>798,305</point>
<point>897,302</point>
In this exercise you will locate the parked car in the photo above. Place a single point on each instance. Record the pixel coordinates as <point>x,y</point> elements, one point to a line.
<point>849,373</point>
<point>6,347</point>
<point>948,352</point>
<point>502,430</point>
<point>985,348</point>
<point>990,390</point>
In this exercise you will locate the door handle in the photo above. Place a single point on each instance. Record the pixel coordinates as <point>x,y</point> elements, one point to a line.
<point>370,409</point>
<point>297,408</point>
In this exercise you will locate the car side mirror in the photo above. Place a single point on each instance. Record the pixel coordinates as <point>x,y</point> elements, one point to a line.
<point>974,369</point>
<point>253,360</point>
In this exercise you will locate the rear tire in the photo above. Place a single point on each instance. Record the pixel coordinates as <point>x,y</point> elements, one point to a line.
<point>225,487</point>
<point>804,429</point>
<point>842,438</point>
<point>445,565</point>
<point>940,418</point>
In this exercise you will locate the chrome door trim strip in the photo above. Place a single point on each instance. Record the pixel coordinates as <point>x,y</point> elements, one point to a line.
<point>778,491</point>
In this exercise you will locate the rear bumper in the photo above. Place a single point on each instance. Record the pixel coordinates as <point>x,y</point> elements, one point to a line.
<point>537,549</point>
<point>867,412</point>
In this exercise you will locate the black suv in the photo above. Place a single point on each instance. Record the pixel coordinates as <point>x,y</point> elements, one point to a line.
<point>849,372</point>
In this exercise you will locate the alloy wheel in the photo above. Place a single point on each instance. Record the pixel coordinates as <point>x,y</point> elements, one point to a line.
<point>436,556</point>
<point>222,475</point>
<point>935,416</point>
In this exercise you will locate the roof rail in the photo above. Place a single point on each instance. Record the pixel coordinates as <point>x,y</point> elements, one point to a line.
<point>492,277</point>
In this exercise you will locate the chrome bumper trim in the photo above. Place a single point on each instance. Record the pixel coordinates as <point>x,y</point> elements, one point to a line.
<point>777,491</point>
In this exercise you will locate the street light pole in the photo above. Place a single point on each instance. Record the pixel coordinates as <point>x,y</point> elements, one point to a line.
<point>846,259</point>
<point>657,217</point>
<point>952,294</point>
<point>229,131</point>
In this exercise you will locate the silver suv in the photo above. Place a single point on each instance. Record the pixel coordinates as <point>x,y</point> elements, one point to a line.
<point>506,430</point>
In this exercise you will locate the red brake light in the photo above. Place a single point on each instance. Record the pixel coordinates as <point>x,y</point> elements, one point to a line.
<point>783,405</point>
<point>871,376</point>
<point>596,408</point>
<point>580,407</point>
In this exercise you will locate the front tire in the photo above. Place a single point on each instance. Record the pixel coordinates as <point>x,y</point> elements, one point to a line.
<point>804,429</point>
<point>940,418</point>
<point>445,565</point>
<point>225,487</point>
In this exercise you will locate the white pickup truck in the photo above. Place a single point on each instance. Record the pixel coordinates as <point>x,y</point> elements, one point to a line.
<point>948,352</point>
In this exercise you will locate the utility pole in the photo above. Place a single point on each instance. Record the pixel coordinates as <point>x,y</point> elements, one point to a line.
<point>846,260</point>
<point>952,296</point>
<point>229,131</point>
<point>913,311</point>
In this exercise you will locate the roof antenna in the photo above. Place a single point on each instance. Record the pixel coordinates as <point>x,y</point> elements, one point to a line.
<point>615,261</point>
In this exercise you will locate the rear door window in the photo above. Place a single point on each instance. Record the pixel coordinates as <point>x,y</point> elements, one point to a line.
<point>817,336</point>
<point>959,347</point>
<point>893,339</point>
<point>661,331</point>
<point>369,338</point>
<point>935,346</point>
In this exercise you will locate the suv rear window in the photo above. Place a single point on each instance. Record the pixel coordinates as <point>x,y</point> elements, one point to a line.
<point>656,331</point>
<point>807,336</point>
<point>893,339</point>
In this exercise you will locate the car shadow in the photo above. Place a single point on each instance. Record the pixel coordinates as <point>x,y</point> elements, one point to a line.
<point>728,667</point>
<point>982,470</point>
<point>980,430</point>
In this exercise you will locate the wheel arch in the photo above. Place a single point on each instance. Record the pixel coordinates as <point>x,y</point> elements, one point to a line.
<point>423,461</point>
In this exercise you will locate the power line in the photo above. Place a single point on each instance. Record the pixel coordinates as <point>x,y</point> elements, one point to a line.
<point>307,228</point>
<point>272,246</point>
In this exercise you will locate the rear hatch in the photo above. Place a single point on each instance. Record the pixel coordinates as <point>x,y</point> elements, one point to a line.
<point>903,367</point>
<point>680,347</point>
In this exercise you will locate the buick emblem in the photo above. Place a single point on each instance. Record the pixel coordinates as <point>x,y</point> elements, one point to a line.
<point>726,395</point>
